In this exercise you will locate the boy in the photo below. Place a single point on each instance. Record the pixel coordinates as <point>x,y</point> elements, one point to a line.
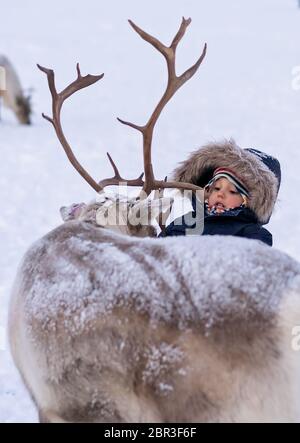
<point>241,189</point>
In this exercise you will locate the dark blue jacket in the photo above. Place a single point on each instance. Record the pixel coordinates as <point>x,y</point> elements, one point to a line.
<point>240,222</point>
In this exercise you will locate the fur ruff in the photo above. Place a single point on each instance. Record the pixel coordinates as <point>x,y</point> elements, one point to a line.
<point>258,178</point>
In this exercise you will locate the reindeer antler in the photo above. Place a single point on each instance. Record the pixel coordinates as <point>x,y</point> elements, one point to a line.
<point>174,83</point>
<point>117,179</point>
<point>57,102</point>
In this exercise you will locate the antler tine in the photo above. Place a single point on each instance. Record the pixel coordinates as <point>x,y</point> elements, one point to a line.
<point>184,24</point>
<point>117,179</point>
<point>174,83</point>
<point>57,102</point>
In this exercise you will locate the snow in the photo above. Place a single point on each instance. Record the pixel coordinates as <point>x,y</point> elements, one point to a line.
<point>246,88</point>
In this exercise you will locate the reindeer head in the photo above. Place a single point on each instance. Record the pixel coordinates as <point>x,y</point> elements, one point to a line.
<point>122,214</point>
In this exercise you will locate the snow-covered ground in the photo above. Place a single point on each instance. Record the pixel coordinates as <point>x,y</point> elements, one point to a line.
<point>247,88</point>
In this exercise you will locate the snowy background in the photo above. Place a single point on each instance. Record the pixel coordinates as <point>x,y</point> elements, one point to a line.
<point>247,88</point>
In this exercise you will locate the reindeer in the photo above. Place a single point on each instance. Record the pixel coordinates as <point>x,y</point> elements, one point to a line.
<point>13,95</point>
<point>108,327</point>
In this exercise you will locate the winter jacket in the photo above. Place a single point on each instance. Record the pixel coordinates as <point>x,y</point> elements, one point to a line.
<point>240,222</point>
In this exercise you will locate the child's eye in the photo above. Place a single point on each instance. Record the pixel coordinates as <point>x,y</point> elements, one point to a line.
<point>216,188</point>
<point>234,192</point>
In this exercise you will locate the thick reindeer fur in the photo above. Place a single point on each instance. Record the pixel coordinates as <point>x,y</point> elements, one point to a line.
<point>259,180</point>
<point>109,328</point>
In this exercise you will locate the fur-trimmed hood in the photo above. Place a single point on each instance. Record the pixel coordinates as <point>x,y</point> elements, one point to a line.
<point>258,171</point>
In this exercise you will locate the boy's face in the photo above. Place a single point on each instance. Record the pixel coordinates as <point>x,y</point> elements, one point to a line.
<point>224,195</point>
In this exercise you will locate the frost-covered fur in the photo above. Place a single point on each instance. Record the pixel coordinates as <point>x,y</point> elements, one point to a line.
<point>109,328</point>
<point>13,96</point>
<point>259,180</point>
